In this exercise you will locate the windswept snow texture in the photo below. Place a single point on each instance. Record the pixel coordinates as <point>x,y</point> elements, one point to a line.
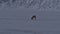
<point>18,21</point>
<point>35,4</point>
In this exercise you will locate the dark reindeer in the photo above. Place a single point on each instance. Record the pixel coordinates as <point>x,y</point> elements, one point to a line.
<point>33,17</point>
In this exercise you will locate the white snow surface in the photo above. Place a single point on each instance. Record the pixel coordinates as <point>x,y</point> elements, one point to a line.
<point>15,17</point>
<point>37,4</point>
<point>18,21</point>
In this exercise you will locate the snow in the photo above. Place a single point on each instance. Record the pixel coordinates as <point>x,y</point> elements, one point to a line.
<point>37,4</point>
<point>17,21</point>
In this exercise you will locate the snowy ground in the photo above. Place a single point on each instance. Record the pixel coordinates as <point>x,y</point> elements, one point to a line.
<point>17,21</point>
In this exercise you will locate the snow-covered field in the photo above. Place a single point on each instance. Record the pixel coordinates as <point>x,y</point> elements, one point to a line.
<point>18,20</point>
